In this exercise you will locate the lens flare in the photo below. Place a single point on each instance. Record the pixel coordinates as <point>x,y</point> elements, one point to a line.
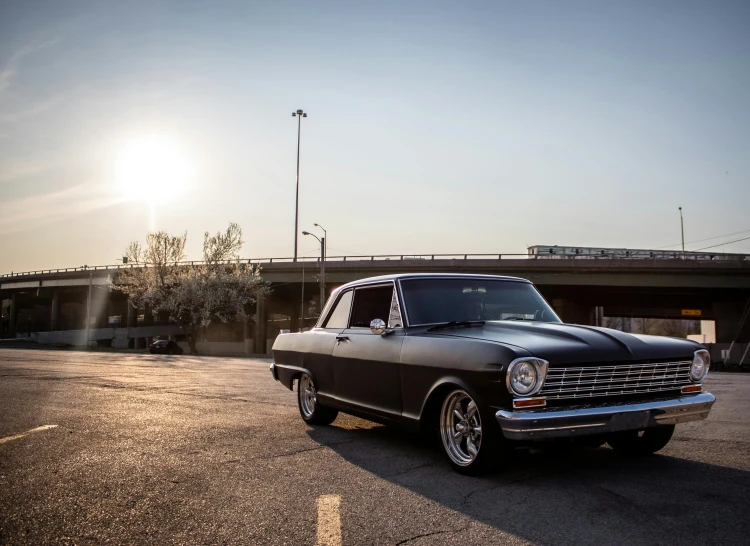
<point>151,166</point>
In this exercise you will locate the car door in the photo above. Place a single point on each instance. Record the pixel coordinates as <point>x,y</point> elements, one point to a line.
<point>319,344</point>
<point>366,366</point>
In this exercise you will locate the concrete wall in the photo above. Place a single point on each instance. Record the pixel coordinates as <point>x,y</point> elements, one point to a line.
<point>120,336</point>
<point>738,350</point>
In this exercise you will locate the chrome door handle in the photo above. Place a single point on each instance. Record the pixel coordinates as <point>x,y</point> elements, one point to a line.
<point>339,339</point>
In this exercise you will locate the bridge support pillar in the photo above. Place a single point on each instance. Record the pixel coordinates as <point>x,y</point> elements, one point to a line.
<point>13,315</point>
<point>54,318</point>
<point>148,319</point>
<point>132,315</point>
<point>260,325</point>
<point>575,312</point>
<point>131,321</point>
<point>728,322</point>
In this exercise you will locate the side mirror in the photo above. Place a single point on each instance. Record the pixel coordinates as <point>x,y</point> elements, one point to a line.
<point>377,326</point>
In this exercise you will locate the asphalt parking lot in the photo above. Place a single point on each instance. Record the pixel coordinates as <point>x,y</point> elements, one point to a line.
<point>192,450</point>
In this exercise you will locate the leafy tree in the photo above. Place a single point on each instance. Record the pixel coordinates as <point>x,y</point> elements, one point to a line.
<point>193,294</point>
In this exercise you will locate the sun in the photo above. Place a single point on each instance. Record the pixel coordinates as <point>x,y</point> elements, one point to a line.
<point>151,166</point>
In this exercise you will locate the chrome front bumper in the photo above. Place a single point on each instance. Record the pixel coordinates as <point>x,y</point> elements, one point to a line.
<point>538,424</point>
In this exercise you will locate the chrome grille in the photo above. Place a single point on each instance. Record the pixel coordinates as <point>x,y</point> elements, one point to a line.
<point>591,381</point>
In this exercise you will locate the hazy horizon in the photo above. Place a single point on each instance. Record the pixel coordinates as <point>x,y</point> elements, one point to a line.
<point>433,127</point>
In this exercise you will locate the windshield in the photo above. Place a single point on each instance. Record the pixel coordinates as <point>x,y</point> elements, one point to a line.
<point>435,301</point>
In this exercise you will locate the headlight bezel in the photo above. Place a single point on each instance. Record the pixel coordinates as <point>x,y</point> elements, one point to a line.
<point>706,357</point>
<point>540,365</point>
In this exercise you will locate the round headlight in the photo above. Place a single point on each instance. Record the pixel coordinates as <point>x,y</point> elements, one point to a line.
<point>526,375</point>
<point>523,378</point>
<point>699,368</point>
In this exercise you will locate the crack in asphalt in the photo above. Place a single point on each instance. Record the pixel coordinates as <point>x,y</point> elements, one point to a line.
<point>411,469</point>
<point>468,496</point>
<point>432,533</point>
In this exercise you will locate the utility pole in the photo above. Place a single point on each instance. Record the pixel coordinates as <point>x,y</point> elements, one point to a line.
<point>322,273</point>
<point>88,309</point>
<point>322,241</point>
<point>682,231</point>
<point>298,114</point>
<point>324,254</point>
<point>302,301</point>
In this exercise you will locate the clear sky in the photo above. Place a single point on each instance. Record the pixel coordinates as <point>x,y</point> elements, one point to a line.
<point>434,127</point>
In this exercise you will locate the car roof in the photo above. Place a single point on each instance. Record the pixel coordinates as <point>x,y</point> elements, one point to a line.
<point>403,276</point>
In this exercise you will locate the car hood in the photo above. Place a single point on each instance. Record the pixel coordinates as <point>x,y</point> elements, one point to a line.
<point>562,344</point>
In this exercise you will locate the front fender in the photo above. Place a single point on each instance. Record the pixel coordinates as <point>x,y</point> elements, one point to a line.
<point>443,385</point>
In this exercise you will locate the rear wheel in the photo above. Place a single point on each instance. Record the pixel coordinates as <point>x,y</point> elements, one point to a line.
<point>468,446</point>
<point>309,408</point>
<point>641,442</point>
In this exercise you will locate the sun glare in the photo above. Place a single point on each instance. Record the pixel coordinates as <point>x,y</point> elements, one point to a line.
<point>151,166</point>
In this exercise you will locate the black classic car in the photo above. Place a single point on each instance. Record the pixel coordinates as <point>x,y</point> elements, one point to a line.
<point>486,365</point>
<point>165,347</point>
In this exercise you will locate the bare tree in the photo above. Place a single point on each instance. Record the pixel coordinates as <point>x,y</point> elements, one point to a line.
<point>195,294</point>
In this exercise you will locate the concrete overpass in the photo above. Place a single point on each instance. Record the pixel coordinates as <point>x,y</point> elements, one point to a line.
<point>580,288</point>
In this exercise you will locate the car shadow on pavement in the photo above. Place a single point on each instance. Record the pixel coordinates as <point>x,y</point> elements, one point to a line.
<point>582,496</point>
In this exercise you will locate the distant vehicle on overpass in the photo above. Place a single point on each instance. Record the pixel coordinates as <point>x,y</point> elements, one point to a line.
<point>547,251</point>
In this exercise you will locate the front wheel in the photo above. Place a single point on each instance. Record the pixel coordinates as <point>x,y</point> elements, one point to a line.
<point>641,442</point>
<point>465,442</point>
<point>309,408</point>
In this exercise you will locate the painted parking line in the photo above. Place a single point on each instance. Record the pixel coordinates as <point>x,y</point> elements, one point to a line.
<point>329,520</point>
<point>17,436</point>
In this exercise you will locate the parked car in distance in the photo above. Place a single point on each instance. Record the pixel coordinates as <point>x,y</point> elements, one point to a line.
<point>485,364</point>
<point>165,347</point>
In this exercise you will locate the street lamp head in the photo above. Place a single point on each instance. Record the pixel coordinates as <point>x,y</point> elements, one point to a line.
<point>304,115</point>
<point>294,115</point>
<point>305,233</point>
<point>300,112</point>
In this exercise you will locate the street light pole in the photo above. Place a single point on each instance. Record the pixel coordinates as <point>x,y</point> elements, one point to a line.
<point>325,236</point>
<point>682,231</point>
<point>322,268</point>
<point>298,114</point>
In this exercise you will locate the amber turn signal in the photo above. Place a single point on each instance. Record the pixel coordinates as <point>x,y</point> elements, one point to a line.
<point>529,402</point>
<point>692,389</point>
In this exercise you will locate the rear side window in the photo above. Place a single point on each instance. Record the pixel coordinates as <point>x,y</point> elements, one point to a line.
<point>371,303</point>
<point>339,317</point>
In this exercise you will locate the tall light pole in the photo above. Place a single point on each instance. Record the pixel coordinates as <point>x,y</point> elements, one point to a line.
<point>322,267</point>
<point>299,114</point>
<point>325,238</point>
<point>682,231</point>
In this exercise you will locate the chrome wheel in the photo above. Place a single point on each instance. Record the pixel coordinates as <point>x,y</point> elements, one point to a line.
<point>307,395</point>
<point>461,428</point>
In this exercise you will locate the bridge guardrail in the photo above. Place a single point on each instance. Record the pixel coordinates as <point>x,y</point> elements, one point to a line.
<point>394,257</point>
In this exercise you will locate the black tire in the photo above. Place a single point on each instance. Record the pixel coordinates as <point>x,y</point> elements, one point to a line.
<point>467,452</point>
<point>641,442</point>
<point>312,412</point>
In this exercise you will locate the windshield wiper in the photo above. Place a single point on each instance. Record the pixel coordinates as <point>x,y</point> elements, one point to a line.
<point>457,324</point>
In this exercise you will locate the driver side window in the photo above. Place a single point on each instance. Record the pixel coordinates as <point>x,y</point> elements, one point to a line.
<point>371,303</point>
